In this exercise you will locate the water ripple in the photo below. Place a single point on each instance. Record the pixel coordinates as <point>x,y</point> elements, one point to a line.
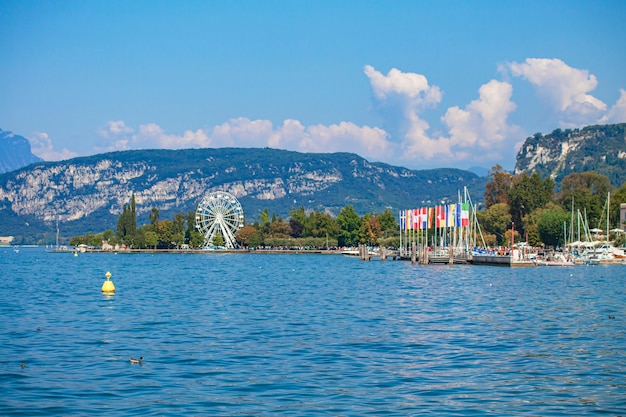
<point>307,335</point>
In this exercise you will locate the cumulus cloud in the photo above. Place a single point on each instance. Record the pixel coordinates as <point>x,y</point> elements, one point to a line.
<point>564,88</point>
<point>369,142</point>
<point>476,132</point>
<point>242,132</point>
<point>117,136</point>
<point>114,128</point>
<point>400,97</point>
<point>483,125</point>
<point>411,86</point>
<point>41,145</point>
<point>152,135</point>
<point>617,113</point>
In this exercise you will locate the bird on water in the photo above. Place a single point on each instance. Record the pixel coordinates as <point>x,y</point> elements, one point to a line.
<point>139,361</point>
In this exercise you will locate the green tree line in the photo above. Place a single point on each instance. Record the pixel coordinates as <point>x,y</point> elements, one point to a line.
<point>528,206</point>
<point>302,229</point>
<point>535,211</point>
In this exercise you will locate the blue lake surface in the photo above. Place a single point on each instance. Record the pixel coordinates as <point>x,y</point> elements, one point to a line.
<point>307,335</point>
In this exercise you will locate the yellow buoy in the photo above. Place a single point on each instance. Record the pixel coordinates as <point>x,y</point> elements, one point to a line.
<point>108,286</point>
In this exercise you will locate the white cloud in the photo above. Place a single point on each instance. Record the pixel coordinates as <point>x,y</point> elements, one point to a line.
<point>483,123</point>
<point>119,137</point>
<point>564,88</point>
<point>369,142</point>
<point>41,145</point>
<point>617,114</point>
<point>115,127</point>
<point>403,84</point>
<point>242,132</point>
<point>400,97</point>
<point>478,132</point>
<point>152,135</point>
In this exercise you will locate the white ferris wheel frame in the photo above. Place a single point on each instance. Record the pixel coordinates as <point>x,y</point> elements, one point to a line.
<point>219,212</point>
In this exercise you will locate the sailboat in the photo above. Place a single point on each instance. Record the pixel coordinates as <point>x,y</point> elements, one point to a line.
<point>603,250</point>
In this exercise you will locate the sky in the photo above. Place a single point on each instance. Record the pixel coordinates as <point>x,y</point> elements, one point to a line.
<point>418,84</point>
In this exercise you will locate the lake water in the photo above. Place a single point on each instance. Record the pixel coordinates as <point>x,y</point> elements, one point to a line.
<point>307,335</point>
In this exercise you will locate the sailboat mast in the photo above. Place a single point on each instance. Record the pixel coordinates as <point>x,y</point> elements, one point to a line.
<point>608,203</point>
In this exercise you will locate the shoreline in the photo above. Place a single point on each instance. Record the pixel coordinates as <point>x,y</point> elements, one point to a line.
<point>478,260</point>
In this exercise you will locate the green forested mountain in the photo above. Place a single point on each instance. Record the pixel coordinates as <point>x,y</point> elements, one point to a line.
<point>600,148</point>
<point>88,193</point>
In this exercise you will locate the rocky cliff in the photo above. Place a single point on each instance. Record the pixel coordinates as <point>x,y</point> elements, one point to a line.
<point>594,148</point>
<point>15,152</point>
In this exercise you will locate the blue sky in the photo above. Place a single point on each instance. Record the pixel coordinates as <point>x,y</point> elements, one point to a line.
<point>420,84</point>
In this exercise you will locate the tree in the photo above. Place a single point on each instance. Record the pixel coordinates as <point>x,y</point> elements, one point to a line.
<point>280,229</point>
<point>248,236</point>
<point>587,192</point>
<point>164,231</point>
<point>617,198</point>
<point>387,221</point>
<point>154,218</point>
<point>218,240</point>
<point>321,224</point>
<point>297,221</point>
<point>349,224</point>
<point>296,228</point>
<point>496,220</point>
<point>527,194</point>
<point>497,191</point>
<point>371,230</point>
<point>132,222</point>
<point>550,226</point>
<point>151,239</point>
<point>178,229</point>
<point>127,223</point>
<point>192,236</point>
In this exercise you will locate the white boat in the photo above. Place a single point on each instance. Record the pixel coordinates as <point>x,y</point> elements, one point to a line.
<point>553,263</point>
<point>556,260</point>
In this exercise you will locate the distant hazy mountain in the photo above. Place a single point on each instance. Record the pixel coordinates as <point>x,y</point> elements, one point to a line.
<point>15,152</point>
<point>594,148</point>
<point>480,171</point>
<point>88,193</point>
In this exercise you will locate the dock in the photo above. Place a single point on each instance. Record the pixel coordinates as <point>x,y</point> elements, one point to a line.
<point>501,260</point>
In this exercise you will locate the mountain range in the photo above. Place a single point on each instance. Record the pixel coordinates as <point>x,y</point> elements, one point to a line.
<point>88,193</point>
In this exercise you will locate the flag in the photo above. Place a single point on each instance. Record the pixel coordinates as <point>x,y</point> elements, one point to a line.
<point>457,220</point>
<point>402,220</point>
<point>416,219</point>
<point>465,214</point>
<point>451,215</point>
<point>440,220</point>
<point>430,217</point>
<point>409,219</point>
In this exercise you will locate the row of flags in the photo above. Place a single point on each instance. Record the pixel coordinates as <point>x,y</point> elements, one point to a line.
<point>449,215</point>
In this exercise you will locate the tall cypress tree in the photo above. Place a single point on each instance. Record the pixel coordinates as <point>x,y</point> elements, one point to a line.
<point>132,221</point>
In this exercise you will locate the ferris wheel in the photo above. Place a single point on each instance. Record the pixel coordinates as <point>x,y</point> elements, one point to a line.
<point>219,212</point>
